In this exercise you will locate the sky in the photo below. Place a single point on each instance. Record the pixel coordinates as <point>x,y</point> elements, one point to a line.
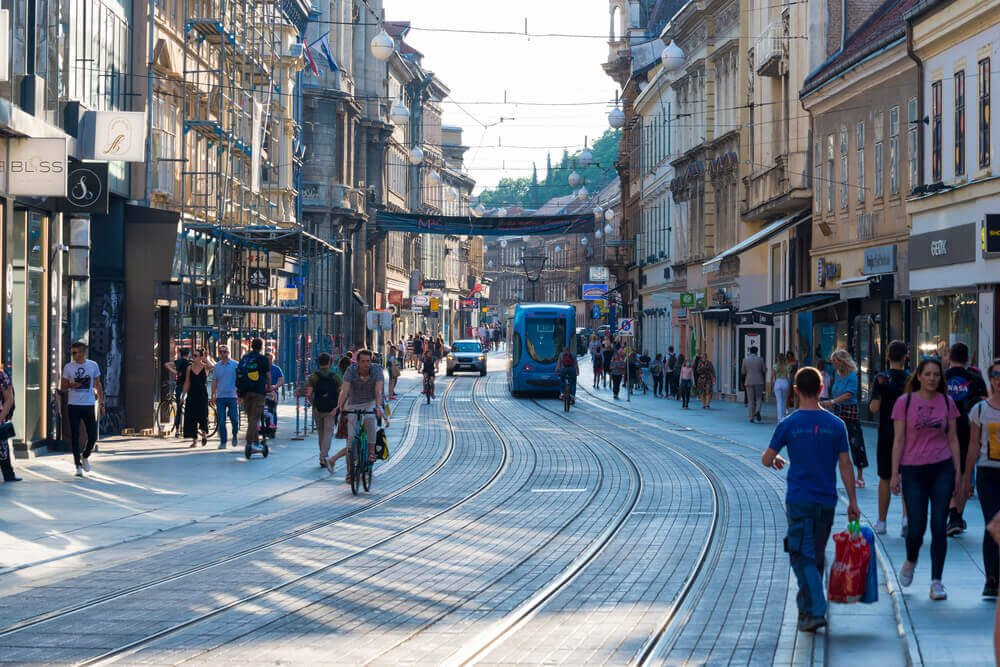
<point>481,69</point>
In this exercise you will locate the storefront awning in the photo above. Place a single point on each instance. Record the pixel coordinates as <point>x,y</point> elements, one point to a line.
<point>716,314</point>
<point>810,300</point>
<point>772,229</point>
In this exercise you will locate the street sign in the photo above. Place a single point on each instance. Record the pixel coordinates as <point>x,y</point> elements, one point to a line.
<point>594,291</point>
<point>626,327</point>
<point>599,274</point>
<point>259,278</point>
<point>420,300</point>
<point>595,311</point>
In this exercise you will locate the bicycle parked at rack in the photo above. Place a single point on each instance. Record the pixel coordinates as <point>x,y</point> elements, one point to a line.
<point>168,409</point>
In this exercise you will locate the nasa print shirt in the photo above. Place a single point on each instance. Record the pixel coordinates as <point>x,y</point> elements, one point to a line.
<point>85,374</point>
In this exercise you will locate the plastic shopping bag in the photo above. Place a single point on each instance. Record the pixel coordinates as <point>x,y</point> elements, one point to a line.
<point>849,572</point>
<point>871,582</point>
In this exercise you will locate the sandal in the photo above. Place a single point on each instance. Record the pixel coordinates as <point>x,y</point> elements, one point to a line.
<point>860,483</point>
<point>329,465</point>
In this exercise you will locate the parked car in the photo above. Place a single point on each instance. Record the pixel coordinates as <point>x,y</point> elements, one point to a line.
<point>582,339</point>
<point>466,355</point>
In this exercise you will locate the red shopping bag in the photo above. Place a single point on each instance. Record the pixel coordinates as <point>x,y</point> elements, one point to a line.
<point>849,572</point>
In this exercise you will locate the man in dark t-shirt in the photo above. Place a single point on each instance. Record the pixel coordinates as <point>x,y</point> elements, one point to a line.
<point>177,368</point>
<point>888,387</point>
<point>966,388</point>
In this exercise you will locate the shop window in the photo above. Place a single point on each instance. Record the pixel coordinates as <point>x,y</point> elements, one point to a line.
<point>945,319</point>
<point>960,123</point>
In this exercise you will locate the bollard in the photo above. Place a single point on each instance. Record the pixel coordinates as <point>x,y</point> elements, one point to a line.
<point>297,435</point>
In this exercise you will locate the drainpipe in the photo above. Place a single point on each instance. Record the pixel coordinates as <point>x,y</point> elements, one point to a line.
<point>149,107</point>
<point>920,103</point>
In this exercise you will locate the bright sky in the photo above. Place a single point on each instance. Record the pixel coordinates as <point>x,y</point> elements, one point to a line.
<point>481,69</point>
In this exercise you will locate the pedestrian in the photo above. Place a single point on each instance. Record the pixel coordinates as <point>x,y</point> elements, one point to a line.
<point>686,381</point>
<point>323,393</point>
<point>705,380</point>
<point>817,449</point>
<point>617,372</point>
<point>984,421</point>
<point>608,352</point>
<point>253,383</point>
<point>793,368</point>
<point>410,349</point>
<point>178,371</point>
<point>418,349</point>
<point>779,384</point>
<point>673,373</point>
<point>438,353</point>
<point>844,401</point>
<point>6,411</point>
<point>196,399</point>
<point>967,388</point>
<point>645,373</point>
<point>656,368</point>
<point>888,387</point>
<point>224,396</point>
<point>395,370</point>
<point>924,466</point>
<point>82,378</point>
<point>277,381</point>
<point>824,372</point>
<point>598,363</point>
<point>754,374</point>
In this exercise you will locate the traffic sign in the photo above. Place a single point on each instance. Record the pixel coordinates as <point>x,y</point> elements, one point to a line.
<point>595,311</point>
<point>625,327</point>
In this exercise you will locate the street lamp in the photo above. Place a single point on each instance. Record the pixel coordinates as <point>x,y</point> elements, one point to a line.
<point>533,263</point>
<point>382,46</point>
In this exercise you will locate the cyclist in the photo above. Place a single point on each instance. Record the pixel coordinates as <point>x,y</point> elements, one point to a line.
<point>363,387</point>
<point>568,369</point>
<point>428,368</point>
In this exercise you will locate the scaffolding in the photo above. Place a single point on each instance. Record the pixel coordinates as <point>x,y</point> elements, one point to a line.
<point>245,267</point>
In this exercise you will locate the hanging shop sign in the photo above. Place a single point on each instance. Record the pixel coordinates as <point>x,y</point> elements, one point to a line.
<point>420,300</point>
<point>35,167</point>
<point>468,304</point>
<point>687,299</point>
<point>595,311</point>
<point>433,284</point>
<point>86,188</point>
<point>826,271</point>
<point>118,135</point>
<point>435,304</point>
<point>700,298</point>
<point>256,139</point>
<point>259,278</point>
<point>594,291</point>
<point>4,44</point>
<point>445,224</point>
<point>991,235</point>
<point>881,259</point>
<point>396,297</point>
<point>599,274</point>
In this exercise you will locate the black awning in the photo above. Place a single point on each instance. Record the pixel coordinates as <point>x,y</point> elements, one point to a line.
<point>360,299</point>
<point>811,300</point>
<point>716,314</point>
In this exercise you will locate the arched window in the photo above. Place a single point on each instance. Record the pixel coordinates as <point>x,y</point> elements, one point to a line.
<point>617,29</point>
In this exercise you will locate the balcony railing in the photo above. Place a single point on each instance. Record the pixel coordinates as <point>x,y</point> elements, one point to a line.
<point>770,50</point>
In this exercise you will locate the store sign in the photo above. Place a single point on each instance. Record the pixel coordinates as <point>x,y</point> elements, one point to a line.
<point>119,135</point>
<point>991,234</point>
<point>468,304</point>
<point>259,278</point>
<point>701,298</point>
<point>880,260</point>
<point>687,299</point>
<point>599,274</point>
<point>435,305</point>
<point>420,300</point>
<point>4,44</point>
<point>35,167</point>
<point>954,245</point>
<point>396,296</point>
<point>593,291</point>
<point>433,284</point>
<point>86,188</point>
<point>826,271</point>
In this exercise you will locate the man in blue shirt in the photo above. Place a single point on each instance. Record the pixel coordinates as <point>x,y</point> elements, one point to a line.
<point>817,446</point>
<point>277,379</point>
<point>224,395</point>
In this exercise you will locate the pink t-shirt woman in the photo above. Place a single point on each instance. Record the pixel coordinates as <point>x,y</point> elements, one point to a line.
<point>926,438</point>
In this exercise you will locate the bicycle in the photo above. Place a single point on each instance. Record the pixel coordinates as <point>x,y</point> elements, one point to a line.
<point>567,394</point>
<point>428,387</point>
<point>358,465</point>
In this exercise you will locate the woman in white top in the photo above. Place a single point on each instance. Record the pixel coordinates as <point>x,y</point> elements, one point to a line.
<point>984,422</point>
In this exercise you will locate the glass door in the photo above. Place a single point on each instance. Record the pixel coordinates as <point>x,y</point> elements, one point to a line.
<point>27,243</point>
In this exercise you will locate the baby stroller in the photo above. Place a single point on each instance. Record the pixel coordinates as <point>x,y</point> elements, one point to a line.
<point>268,424</point>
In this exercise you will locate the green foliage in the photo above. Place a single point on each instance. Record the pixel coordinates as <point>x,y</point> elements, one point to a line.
<point>531,193</point>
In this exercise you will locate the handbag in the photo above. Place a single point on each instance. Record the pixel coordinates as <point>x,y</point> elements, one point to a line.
<point>341,433</point>
<point>6,431</point>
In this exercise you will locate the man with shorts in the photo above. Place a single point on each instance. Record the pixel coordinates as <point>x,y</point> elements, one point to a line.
<point>418,349</point>
<point>362,390</point>
<point>889,386</point>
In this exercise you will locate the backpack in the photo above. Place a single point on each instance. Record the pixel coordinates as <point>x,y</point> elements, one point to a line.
<point>656,367</point>
<point>250,363</point>
<point>325,393</point>
<point>672,363</point>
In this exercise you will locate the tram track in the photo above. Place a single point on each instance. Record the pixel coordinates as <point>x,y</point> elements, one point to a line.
<point>137,645</point>
<point>230,557</point>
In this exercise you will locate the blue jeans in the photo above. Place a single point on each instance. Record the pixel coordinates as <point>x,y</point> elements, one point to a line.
<point>571,376</point>
<point>223,406</point>
<point>931,484</point>
<point>809,526</point>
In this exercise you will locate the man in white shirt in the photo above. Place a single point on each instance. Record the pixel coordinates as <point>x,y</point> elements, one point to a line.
<point>82,379</point>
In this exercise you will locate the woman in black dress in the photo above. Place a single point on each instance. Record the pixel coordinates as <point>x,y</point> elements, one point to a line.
<point>196,404</point>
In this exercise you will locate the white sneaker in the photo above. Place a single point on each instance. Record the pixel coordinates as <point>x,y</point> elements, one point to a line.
<point>86,465</point>
<point>79,471</point>
<point>880,528</point>
<point>906,573</point>
<point>937,591</point>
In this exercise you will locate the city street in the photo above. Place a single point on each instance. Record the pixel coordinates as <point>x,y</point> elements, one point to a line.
<point>499,531</point>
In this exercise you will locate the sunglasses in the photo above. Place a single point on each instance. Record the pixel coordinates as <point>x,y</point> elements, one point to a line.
<point>995,374</point>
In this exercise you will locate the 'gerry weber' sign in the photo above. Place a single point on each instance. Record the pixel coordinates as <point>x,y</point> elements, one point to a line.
<point>34,167</point>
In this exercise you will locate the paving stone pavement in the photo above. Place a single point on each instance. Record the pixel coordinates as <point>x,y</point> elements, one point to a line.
<point>501,531</point>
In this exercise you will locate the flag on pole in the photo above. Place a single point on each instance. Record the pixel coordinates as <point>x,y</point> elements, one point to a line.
<point>324,48</point>
<point>309,58</point>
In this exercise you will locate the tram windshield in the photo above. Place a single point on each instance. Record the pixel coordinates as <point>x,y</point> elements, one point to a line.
<point>545,338</point>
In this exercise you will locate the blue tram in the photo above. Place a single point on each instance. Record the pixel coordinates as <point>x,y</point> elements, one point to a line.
<point>536,335</point>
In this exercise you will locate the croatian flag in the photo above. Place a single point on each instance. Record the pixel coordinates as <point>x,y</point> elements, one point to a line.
<point>324,47</point>
<point>309,58</point>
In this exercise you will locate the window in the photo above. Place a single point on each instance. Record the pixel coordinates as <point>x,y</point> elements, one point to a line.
<point>878,155</point>
<point>830,175</point>
<point>162,145</point>
<point>960,123</point>
<point>545,338</point>
<point>911,142</point>
<point>860,143</point>
<point>843,166</point>
<point>818,185</point>
<point>935,131</point>
<point>984,112</point>
<point>894,151</point>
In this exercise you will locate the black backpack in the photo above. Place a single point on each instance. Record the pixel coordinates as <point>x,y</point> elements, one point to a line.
<point>325,393</point>
<point>248,364</point>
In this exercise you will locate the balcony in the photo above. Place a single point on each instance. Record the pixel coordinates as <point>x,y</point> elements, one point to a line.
<point>770,50</point>
<point>333,196</point>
